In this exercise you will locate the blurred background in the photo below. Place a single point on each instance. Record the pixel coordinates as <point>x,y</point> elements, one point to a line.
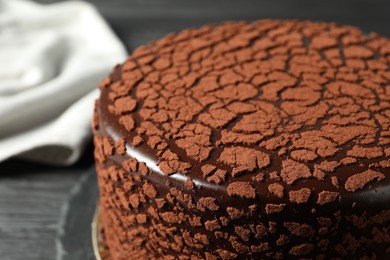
<point>33,194</point>
<point>139,21</point>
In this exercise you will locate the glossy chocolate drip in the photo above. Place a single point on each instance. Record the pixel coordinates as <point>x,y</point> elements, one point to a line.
<point>256,211</point>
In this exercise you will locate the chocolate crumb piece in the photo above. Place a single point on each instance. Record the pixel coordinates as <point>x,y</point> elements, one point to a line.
<point>143,168</point>
<point>218,234</point>
<point>359,180</point>
<point>355,51</point>
<point>385,163</point>
<point>241,189</point>
<point>169,217</point>
<point>166,169</point>
<point>272,227</point>
<point>130,164</point>
<point>210,256</point>
<point>252,208</point>
<point>234,213</point>
<point>335,181</point>
<point>240,248</point>
<point>128,122</point>
<point>300,196</point>
<point>134,200</point>
<point>141,218</point>
<point>149,190</point>
<point>261,248</point>
<point>276,189</point>
<point>303,155</point>
<point>259,231</point>
<point>348,160</point>
<point>217,118</point>
<point>195,221</point>
<point>365,152</point>
<point>120,146</point>
<point>189,184</point>
<point>137,140</point>
<point>124,104</point>
<point>282,240</point>
<point>274,208</point>
<point>209,203</point>
<point>243,233</point>
<point>325,197</point>
<point>293,171</point>
<point>161,63</point>
<point>218,176</point>
<point>160,202</point>
<point>274,176</point>
<point>323,230</point>
<point>298,229</point>
<point>226,255</point>
<point>323,42</point>
<point>318,173</point>
<point>207,169</point>
<point>301,249</point>
<point>323,221</point>
<point>224,221</point>
<point>244,159</point>
<point>328,166</point>
<point>212,225</point>
<point>108,147</point>
<point>258,178</point>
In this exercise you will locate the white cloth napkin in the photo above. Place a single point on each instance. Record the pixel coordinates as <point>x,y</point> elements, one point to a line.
<point>52,58</point>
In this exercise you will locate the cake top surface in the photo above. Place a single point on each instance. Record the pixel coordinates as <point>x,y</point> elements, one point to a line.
<point>286,103</point>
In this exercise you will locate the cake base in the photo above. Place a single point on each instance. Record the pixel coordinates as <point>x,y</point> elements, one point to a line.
<point>73,238</point>
<point>100,250</point>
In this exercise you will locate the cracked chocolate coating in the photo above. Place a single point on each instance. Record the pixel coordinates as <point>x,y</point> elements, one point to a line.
<point>267,139</point>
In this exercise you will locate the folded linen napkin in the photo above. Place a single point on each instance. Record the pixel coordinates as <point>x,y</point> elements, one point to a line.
<point>52,58</point>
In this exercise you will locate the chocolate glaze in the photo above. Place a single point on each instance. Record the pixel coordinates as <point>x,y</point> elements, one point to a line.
<point>334,222</point>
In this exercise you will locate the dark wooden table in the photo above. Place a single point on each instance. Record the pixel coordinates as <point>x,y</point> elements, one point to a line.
<point>31,195</point>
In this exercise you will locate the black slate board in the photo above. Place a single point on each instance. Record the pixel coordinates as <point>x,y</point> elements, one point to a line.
<point>31,195</point>
<point>73,240</point>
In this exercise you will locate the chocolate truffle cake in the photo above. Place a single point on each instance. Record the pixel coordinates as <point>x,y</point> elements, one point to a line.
<point>260,140</point>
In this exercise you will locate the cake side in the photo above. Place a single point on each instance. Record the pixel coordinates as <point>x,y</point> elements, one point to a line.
<point>264,139</point>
